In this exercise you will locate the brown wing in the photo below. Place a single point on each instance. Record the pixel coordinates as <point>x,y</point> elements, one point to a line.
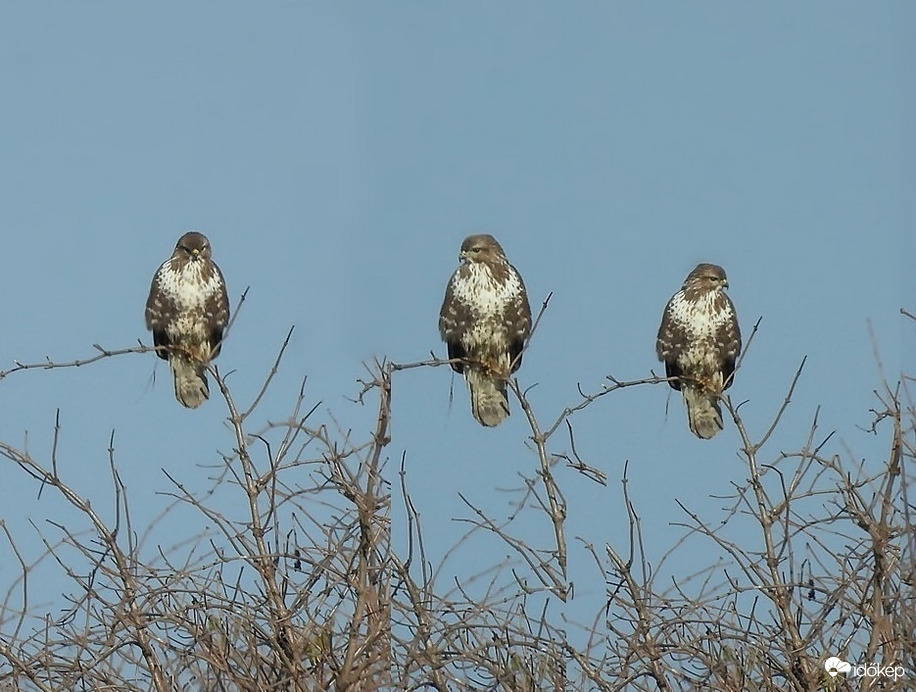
<point>518,322</point>
<point>454,320</point>
<point>217,310</point>
<point>729,335</point>
<point>160,311</point>
<point>669,344</point>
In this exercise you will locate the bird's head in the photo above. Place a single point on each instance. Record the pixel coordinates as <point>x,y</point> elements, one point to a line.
<point>193,245</point>
<point>481,248</point>
<point>707,277</point>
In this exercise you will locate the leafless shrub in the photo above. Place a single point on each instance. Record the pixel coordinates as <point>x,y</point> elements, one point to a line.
<point>301,587</point>
<point>280,597</point>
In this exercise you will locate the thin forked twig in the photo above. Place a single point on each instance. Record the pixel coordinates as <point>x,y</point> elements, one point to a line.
<point>49,364</point>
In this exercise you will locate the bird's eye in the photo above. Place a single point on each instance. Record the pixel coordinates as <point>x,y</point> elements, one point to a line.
<point>475,249</point>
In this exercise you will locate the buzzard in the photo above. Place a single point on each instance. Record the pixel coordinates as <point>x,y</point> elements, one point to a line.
<point>187,310</point>
<point>485,321</point>
<point>699,341</point>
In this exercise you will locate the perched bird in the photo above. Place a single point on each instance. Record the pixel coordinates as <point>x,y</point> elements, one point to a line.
<point>699,342</point>
<point>485,321</point>
<point>187,311</point>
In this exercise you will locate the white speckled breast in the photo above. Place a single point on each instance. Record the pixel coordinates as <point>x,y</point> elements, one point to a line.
<point>189,292</point>
<point>488,301</point>
<point>705,325</point>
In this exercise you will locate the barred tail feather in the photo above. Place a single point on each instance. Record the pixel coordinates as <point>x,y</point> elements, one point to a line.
<point>703,412</point>
<point>489,402</point>
<point>191,388</point>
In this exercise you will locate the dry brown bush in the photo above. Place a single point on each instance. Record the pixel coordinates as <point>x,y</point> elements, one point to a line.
<point>287,596</point>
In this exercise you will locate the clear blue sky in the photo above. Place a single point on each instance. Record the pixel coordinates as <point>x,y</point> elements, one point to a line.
<point>337,153</point>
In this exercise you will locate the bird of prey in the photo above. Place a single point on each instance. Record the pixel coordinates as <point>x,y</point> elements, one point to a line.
<point>187,311</point>
<point>485,321</point>
<point>699,342</point>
